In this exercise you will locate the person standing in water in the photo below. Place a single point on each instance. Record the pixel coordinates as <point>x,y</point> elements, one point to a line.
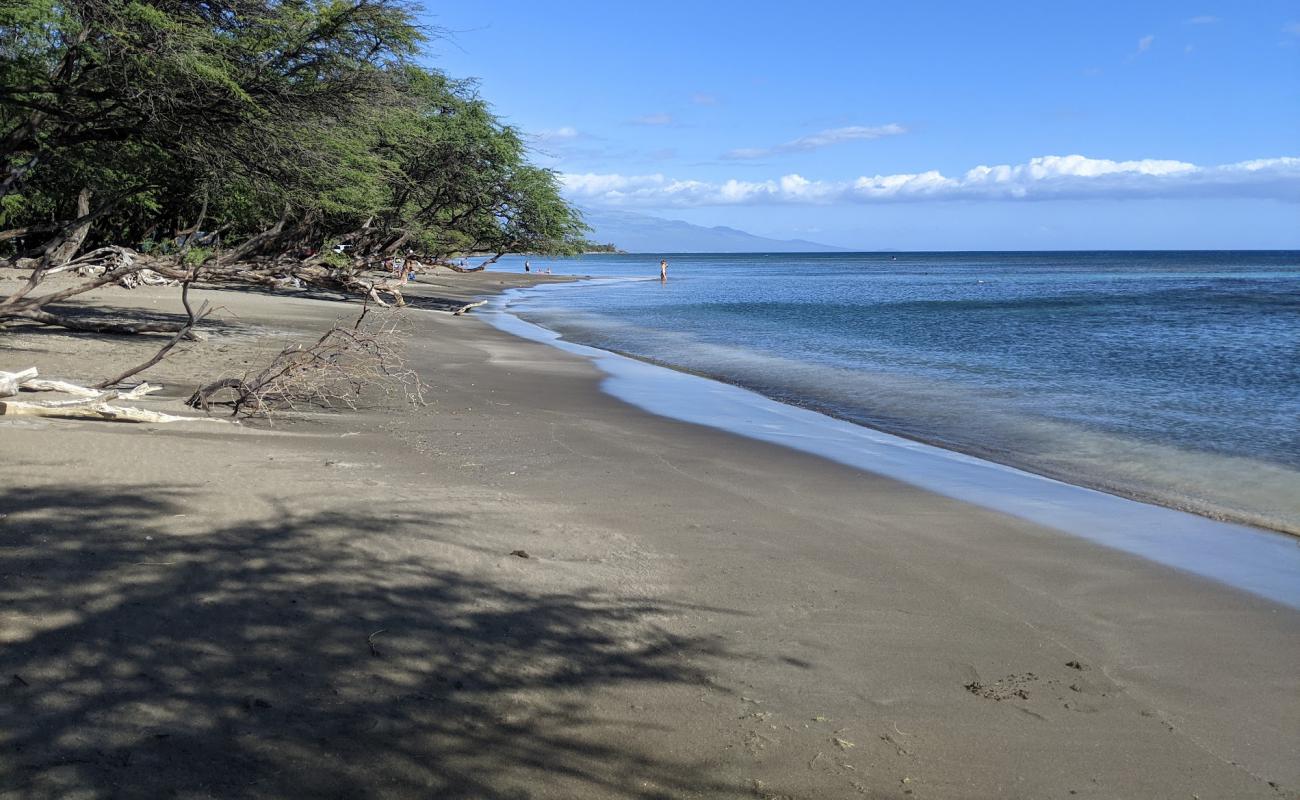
<point>663,270</point>
<point>528,266</point>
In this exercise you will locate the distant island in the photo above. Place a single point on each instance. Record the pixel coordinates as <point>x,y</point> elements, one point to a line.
<point>643,233</point>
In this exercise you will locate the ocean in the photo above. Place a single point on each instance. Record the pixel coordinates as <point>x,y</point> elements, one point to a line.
<point>1170,377</point>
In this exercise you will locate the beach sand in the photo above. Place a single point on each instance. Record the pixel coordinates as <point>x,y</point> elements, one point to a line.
<point>528,589</point>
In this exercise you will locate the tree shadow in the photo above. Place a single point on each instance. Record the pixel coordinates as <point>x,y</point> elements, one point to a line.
<point>91,314</point>
<point>307,656</point>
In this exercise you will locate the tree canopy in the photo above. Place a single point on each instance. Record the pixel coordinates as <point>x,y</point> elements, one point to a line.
<point>281,125</point>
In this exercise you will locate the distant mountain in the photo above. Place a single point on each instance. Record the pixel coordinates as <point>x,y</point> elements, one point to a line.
<point>642,233</point>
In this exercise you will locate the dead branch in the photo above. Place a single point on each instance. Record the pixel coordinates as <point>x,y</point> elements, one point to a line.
<point>66,243</point>
<point>192,319</point>
<point>337,369</point>
<point>254,242</point>
<point>27,381</point>
<point>91,408</point>
<point>11,381</point>
<point>88,404</point>
<point>461,311</point>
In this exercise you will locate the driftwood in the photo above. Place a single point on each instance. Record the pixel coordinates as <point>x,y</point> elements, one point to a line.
<point>91,408</point>
<point>461,311</point>
<point>334,370</point>
<point>87,404</point>
<point>11,381</point>
<point>41,385</point>
<point>192,319</point>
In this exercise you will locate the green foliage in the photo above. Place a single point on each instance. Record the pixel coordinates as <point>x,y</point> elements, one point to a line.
<point>243,113</point>
<point>197,255</point>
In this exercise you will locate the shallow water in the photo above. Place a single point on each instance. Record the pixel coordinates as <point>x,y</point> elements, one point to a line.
<point>1260,562</point>
<point>1167,376</point>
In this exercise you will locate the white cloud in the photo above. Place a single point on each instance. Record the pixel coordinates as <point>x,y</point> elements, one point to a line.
<point>1043,178</point>
<point>1144,44</point>
<point>818,140</point>
<point>1204,19</point>
<point>705,99</point>
<point>654,119</point>
<point>1292,28</point>
<point>564,134</point>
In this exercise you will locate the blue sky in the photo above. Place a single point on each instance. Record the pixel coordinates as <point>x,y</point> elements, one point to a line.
<point>866,124</point>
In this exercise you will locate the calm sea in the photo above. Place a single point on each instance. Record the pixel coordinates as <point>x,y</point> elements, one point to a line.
<point>1167,376</point>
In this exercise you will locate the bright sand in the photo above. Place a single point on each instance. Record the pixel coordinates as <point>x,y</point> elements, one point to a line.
<point>330,607</point>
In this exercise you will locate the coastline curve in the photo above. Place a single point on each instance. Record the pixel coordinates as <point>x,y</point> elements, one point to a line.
<point>1260,562</point>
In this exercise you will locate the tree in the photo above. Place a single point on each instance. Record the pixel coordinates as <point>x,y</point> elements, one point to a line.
<point>272,127</point>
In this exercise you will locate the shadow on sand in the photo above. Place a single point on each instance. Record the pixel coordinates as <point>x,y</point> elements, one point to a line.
<point>142,655</point>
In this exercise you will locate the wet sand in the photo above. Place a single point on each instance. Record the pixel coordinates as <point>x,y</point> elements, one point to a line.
<point>330,606</point>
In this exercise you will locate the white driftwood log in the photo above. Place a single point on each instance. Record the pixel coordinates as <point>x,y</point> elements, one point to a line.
<point>91,408</point>
<point>10,381</point>
<point>63,387</point>
<point>86,404</point>
<point>27,380</point>
<point>460,311</point>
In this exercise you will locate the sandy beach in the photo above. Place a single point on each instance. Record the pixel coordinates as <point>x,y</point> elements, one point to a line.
<point>529,589</point>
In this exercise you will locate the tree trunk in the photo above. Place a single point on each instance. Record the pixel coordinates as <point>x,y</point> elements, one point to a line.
<point>64,251</point>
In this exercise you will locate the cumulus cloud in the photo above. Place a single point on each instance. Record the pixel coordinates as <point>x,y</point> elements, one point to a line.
<point>1043,178</point>
<point>1144,44</point>
<point>1204,19</point>
<point>654,119</point>
<point>816,141</point>
<point>704,99</point>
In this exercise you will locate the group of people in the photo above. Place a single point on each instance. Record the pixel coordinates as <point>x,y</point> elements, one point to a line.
<point>528,267</point>
<point>404,268</point>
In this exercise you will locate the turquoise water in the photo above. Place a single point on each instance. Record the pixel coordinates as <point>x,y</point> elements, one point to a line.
<point>1169,376</point>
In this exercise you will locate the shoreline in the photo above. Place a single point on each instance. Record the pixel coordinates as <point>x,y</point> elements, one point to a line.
<point>334,606</point>
<point>1205,510</point>
<point>1255,559</point>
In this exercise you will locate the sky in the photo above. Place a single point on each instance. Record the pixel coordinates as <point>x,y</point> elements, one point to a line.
<point>908,125</point>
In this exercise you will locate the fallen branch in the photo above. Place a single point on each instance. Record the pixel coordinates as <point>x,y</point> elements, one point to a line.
<point>10,381</point>
<point>28,380</point>
<point>461,311</point>
<point>192,319</point>
<point>336,369</point>
<point>43,385</point>
<point>91,408</point>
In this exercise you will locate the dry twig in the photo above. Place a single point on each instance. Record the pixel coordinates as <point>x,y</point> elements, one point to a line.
<point>337,369</point>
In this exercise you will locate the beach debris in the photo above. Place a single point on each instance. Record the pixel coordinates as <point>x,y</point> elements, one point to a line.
<point>1076,665</point>
<point>842,744</point>
<point>370,641</point>
<point>1003,688</point>
<point>520,553</point>
<point>336,369</point>
<point>460,312</point>
<point>18,682</point>
<point>11,381</point>
<point>89,403</point>
<point>898,747</point>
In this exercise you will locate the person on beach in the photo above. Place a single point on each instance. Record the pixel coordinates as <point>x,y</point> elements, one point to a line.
<point>528,266</point>
<point>663,270</point>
